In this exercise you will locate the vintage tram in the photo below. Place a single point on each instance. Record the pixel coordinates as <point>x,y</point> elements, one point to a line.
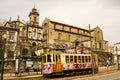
<point>68,63</point>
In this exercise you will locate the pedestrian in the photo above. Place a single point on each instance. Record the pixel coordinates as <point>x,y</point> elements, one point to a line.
<point>107,63</point>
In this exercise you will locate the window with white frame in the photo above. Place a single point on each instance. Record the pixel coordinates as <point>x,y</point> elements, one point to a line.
<point>11,36</point>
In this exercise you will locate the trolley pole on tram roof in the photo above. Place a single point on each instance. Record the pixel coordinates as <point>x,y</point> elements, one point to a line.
<point>91,51</point>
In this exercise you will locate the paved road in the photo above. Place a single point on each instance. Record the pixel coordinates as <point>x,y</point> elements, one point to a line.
<point>102,75</point>
<point>112,76</point>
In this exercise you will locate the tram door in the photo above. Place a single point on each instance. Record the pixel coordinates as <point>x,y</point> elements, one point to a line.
<point>95,61</point>
<point>58,63</point>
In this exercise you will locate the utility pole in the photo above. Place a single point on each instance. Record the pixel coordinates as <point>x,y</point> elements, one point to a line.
<point>2,66</point>
<point>91,51</point>
<point>118,58</point>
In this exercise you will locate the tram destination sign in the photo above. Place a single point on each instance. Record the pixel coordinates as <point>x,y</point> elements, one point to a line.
<point>74,51</point>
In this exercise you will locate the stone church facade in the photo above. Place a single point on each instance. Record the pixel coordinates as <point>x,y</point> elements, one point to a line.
<point>65,35</point>
<point>30,35</point>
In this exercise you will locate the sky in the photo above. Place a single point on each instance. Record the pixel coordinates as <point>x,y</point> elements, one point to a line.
<point>80,13</point>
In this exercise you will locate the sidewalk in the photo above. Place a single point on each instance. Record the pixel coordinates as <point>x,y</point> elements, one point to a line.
<point>12,76</point>
<point>107,68</point>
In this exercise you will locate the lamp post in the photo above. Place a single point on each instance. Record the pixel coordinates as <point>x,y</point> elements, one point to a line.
<point>3,52</point>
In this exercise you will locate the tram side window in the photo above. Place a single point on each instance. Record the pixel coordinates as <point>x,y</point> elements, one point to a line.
<point>53,58</point>
<point>48,58</point>
<point>75,59</point>
<point>67,59</point>
<point>94,59</point>
<point>71,59</point>
<point>59,58</point>
<point>86,59</point>
<point>89,59</point>
<point>83,59</point>
<point>79,59</point>
<point>44,59</point>
<point>56,58</point>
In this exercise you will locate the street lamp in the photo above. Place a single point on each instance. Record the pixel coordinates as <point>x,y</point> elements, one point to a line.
<point>4,37</point>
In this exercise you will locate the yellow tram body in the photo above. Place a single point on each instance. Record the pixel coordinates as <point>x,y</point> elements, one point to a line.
<point>57,62</point>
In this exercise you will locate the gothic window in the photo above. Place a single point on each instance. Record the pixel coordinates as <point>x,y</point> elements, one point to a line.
<point>59,35</point>
<point>10,55</point>
<point>20,31</point>
<point>100,45</point>
<point>39,30</point>
<point>23,32</point>
<point>76,43</point>
<point>11,36</point>
<point>34,29</point>
<point>24,51</point>
<point>33,44</point>
<point>45,27</point>
<point>98,35</point>
<point>10,51</point>
<point>68,37</point>
<point>39,36</point>
<point>34,33</point>
<point>34,36</point>
<point>35,18</point>
<point>29,35</point>
<point>12,47</point>
<point>29,29</point>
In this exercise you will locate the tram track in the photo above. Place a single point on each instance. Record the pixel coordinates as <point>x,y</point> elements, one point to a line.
<point>102,71</point>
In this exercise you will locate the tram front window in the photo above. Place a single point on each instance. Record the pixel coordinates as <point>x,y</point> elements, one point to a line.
<point>48,58</point>
<point>44,59</point>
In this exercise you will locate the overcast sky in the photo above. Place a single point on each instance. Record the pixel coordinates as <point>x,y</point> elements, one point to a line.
<point>81,13</point>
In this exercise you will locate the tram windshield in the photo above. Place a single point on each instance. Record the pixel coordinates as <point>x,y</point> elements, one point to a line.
<point>46,58</point>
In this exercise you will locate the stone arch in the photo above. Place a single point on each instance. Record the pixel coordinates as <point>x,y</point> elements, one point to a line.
<point>24,51</point>
<point>9,67</point>
<point>29,43</point>
<point>33,44</point>
<point>45,25</point>
<point>64,46</point>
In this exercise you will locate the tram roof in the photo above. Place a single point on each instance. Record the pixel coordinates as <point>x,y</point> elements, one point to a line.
<point>59,52</point>
<point>53,52</point>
